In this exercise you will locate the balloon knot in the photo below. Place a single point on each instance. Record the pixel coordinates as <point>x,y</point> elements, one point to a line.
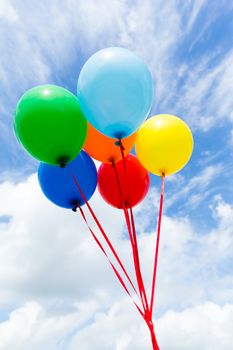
<point>118,143</point>
<point>62,161</point>
<point>121,145</point>
<point>74,209</point>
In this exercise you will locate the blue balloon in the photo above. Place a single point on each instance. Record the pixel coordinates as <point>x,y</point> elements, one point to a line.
<point>59,187</point>
<point>115,91</point>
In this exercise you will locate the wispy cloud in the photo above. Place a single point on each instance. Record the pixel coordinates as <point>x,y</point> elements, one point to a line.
<point>206,95</point>
<point>196,7</point>
<point>196,189</point>
<point>8,12</point>
<point>34,52</point>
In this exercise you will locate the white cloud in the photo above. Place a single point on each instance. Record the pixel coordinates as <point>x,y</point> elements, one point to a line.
<point>207,326</point>
<point>33,327</point>
<point>224,212</point>
<point>50,266</point>
<point>47,245</point>
<point>7,11</point>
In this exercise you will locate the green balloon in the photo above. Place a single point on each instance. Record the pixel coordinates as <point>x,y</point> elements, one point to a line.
<point>50,125</point>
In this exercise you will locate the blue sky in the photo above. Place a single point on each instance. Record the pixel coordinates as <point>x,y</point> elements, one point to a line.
<point>188,46</point>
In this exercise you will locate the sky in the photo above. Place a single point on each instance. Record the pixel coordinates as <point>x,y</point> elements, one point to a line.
<point>56,290</point>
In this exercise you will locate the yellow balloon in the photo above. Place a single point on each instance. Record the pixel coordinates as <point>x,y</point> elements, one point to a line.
<point>164,144</point>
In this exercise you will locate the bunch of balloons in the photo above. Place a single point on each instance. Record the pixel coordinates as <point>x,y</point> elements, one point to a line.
<point>105,119</point>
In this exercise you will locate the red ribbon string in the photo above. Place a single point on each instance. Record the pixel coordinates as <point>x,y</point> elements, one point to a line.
<point>131,236</point>
<point>111,264</point>
<point>148,317</point>
<point>153,337</point>
<point>104,234</point>
<point>157,245</point>
<point>141,282</point>
<point>123,158</point>
<point>148,314</point>
<point>129,218</point>
<point>143,291</point>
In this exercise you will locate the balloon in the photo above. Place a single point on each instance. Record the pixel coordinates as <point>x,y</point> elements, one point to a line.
<point>59,187</point>
<point>104,148</point>
<point>164,144</point>
<point>134,188</point>
<point>50,125</point>
<point>115,91</point>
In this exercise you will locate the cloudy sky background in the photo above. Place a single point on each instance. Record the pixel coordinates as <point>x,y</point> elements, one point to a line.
<point>56,290</point>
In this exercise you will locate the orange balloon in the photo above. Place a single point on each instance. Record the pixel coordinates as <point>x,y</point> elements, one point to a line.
<point>104,148</point>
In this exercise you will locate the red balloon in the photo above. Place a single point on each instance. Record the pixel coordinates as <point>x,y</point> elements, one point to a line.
<point>133,188</point>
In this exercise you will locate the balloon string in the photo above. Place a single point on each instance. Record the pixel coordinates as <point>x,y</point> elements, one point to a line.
<point>148,315</point>
<point>127,219</point>
<point>110,262</point>
<point>104,234</point>
<point>143,290</point>
<point>153,337</point>
<point>157,245</point>
<point>123,157</point>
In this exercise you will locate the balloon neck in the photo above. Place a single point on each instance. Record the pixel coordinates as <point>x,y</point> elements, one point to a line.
<point>118,143</point>
<point>62,161</point>
<point>119,134</point>
<point>127,204</point>
<point>75,204</point>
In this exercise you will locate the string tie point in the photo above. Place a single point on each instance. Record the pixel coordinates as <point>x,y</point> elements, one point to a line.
<point>121,145</point>
<point>118,143</point>
<point>112,160</point>
<point>63,161</point>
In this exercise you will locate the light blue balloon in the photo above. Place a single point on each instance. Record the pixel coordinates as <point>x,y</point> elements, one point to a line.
<point>115,91</point>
